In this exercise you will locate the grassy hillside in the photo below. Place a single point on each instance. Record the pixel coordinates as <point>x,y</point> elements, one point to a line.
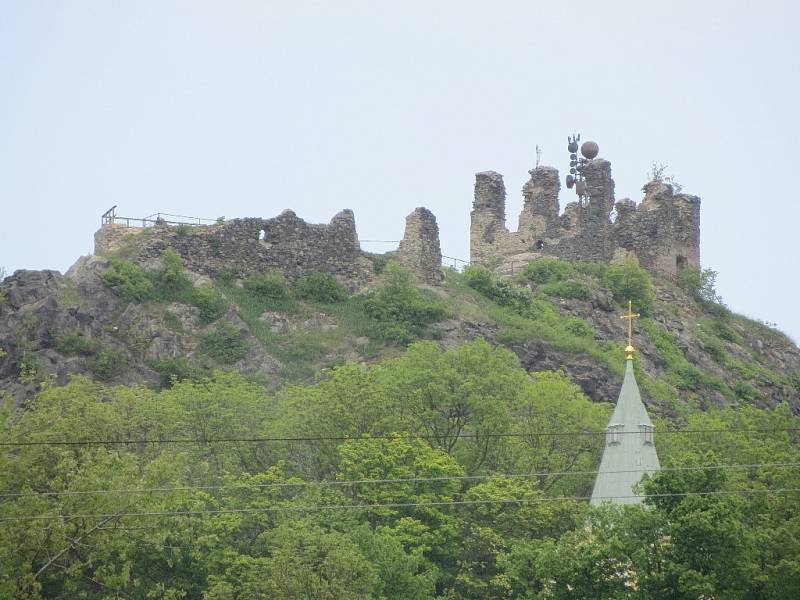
<point>181,437</point>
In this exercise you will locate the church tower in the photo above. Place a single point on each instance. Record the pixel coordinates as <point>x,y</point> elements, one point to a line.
<point>630,450</point>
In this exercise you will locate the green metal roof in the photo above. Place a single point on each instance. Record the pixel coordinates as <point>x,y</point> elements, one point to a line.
<point>626,456</point>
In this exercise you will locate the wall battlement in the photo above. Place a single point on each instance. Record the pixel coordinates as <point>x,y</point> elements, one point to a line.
<point>663,231</point>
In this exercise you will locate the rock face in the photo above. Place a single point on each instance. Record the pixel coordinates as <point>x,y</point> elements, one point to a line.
<point>663,232</point>
<point>419,250</point>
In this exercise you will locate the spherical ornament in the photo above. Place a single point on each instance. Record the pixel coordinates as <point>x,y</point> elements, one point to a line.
<point>570,181</point>
<point>573,147</point>
<point>573,156</point>
<point>590,150</point>
<point>573,171</point>
<point>573,163</point>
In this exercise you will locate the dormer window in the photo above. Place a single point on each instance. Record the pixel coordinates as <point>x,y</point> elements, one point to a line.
<point>614,434</point>
<point>647,434</point>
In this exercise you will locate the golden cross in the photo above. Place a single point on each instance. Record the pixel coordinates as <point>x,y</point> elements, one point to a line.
<point>630,316</point>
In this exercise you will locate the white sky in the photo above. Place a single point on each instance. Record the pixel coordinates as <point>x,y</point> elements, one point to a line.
<point>241,108</point>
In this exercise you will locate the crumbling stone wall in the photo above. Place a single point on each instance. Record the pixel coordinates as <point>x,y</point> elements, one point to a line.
<point>419,249</point>
<point>250,246</point>
<point>286,243</point>
<point>663,231</point>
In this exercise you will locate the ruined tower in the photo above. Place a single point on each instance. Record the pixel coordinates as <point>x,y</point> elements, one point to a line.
<point>663,231</point>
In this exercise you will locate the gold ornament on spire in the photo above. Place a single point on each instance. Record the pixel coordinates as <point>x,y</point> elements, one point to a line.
<point>629,350</point>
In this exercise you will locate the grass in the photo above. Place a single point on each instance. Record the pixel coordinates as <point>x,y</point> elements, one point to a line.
<point>565,333</point>
<point>679,371</point>
<point>304,352</point>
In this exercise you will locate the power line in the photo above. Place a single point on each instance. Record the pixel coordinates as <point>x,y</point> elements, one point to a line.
<point>313,507</point>
<point>390,436</point>
<point>353,482</point>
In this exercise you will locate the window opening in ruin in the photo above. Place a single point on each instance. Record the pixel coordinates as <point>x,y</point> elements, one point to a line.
<point>539,245</point>
<point>681,262</point>
<point>262,235</point>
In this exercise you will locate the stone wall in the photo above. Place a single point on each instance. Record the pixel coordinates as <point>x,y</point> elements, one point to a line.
<point>286,243</point>
<point>663,232</point>
<point>245,247</point>
<point>419,249</point>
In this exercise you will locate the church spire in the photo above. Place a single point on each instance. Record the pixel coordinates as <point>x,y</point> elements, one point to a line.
<point>630,450</point>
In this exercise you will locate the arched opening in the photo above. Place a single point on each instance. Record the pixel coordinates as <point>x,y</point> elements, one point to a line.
<point>262,235</point>
<point>539,245</point>
<point>681,262</point>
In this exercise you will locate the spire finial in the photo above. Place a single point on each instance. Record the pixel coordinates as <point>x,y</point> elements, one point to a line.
<point>629,350</point>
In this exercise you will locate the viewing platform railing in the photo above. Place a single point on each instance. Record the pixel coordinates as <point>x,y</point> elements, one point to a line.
<point>110,217</point>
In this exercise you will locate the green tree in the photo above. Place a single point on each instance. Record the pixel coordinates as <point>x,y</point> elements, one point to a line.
<point>400,311</point>
<point>628,281</point>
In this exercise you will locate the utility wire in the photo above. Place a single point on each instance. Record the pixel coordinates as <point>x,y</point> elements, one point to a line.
<point>389,436</point>
<point>386,481</point>
<point>315,507</point>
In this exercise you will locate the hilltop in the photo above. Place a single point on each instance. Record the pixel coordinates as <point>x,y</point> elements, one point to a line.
<point>257,408</point>
<point>145,321</point>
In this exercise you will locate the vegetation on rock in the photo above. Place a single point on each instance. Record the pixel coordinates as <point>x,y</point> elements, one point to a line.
<point>438,474</point>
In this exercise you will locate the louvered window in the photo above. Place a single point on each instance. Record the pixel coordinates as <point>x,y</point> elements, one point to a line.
<point>647,434</point>
<point>614,434</point>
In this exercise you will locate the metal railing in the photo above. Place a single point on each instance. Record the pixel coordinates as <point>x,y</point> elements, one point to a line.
<point>110,217</point>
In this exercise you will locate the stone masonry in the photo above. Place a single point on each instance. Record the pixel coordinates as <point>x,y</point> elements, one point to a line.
<point>286,243</point>
<point>419,249</point>
<point>249,246</point>
<point>663,231</point>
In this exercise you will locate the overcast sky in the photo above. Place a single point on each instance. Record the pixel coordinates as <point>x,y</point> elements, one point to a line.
<point>241,108</point>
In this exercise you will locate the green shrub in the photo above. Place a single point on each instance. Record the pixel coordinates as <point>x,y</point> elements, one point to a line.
<point>322,287</point>
<point>597,270</point>
<point>746,392</point>
<point>503,292</point>
<point>679,371</point>
<point>379,261</point>
<point>715,348</point>
<point>172,322</point>
<point>400,311</point>
<point>568,289</point>
<point>29,369</point>
<point>128,280</point>
<point>225,345</point>
<point>579,327</point>
<point>547,270</point>
<point>211,303</point>
<point>226,275</point>
<point>169,281</point>
<point>175,369</point>
<point>106,363</point>
<point>700,284</point>
<point>628,281</point>
<point>183,230</point>
<point>722,329</point>
<point>73,342</point>
<point>479,278</point>
<point>268,286</point>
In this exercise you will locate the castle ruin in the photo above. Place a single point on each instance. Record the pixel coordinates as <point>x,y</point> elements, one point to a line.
<point>286,243</point>
<point>663,231</point>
